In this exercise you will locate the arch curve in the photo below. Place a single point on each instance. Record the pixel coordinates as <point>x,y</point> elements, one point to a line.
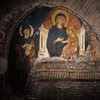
<point>87,10</point>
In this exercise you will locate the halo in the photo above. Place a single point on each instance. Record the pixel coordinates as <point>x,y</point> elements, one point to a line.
<point>60,11</point>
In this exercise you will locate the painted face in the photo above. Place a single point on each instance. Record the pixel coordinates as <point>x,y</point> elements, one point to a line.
<point>26,33</point>
<point>70,31</point>
<point>60,20</point>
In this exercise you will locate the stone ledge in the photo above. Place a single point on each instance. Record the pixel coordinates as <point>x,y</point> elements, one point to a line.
<point>66,70</point>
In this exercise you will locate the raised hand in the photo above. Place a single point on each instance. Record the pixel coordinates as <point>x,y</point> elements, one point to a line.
<point>59,39</point>
<point>25,45</point>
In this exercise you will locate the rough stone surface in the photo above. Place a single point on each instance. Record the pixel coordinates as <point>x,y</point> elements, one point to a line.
<point>3,65</point>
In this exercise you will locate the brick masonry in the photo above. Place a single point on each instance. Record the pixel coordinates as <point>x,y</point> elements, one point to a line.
<point>64,81</point>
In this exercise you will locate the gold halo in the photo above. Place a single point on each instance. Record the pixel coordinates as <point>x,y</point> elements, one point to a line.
<point>60,11</point>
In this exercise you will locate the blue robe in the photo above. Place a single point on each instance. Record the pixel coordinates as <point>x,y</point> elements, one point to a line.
<point>54,33</point>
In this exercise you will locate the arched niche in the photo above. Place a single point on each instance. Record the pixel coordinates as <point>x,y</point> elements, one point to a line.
<point>43,23</point>
<point>20,14</point>
<point>82,9</point>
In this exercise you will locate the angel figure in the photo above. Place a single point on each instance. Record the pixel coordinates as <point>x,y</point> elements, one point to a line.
<point>25,48</point>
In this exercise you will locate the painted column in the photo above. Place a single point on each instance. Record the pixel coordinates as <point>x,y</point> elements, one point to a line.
<point>82,41</point>
<point>43,52</point>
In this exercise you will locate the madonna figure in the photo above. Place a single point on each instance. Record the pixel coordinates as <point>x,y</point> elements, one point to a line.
<point>57,35</point>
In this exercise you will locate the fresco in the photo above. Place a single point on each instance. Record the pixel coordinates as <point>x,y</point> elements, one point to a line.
<point>66,36</point>
<point>48,33</point>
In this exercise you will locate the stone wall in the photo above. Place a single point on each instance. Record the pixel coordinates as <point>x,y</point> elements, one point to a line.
<point>64,81</point>
<point>86,70</point>
<point>65,90</point>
